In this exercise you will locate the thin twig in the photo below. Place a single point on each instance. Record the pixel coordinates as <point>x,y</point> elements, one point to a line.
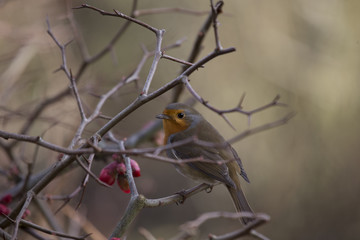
<point>215,26</point>
<point>176,60</point>
<point>239,108</point>
<point>151,152</point>
<point>142,12</point>
<point>66,70</point>
<point>176,198</point>
<point>129,175</point>
<point>197,46</point>
<point>157,57</point>
<point>51,232</point>
<point>244,231</point>
<point>88,171</point>
<point>29,196</point>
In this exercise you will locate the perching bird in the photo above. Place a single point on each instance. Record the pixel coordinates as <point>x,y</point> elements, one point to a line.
<point>181,122</point>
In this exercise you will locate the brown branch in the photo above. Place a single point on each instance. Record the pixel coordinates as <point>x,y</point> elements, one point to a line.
<point>29,196</point>
<point>259,220</point>
<point>190,228</point>
<point>66,70</point>
<point>119,14</point>
<point>149,152</point>
<point>88,171</point>
<point>197,46</point>
<point>177,198</point>
<point>163,55</point>
<point>142,12</point>
<point>215,25</point>
<point>274,102</point>
<point>89,60</point>
<point>51,232</point>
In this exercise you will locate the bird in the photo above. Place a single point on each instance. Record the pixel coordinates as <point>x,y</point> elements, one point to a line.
<point>181,122</point>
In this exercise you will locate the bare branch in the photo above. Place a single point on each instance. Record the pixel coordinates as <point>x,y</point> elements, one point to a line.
<point>176,60</point>
<point>274,102</point>
<point>215,25</point>
<point>142,12</point>
<point>197,46</point>
<point>259,220</point>
<point>157,57</point>
<point>29,196</point>
<point>50,232</point>
<point>176,198</point>
<point>129,175</point>
<point>88,171</point>
<point>67,72</point>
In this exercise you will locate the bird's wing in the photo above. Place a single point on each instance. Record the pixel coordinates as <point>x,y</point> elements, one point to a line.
<point>206,131</point>
<point>238,160</point>
<point>216,170</point>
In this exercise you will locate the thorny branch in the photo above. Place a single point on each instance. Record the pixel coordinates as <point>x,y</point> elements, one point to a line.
<point>239,108</point>
<point>191,228</point>
<point>147,152</point>
<point>197,46</point>
<point>90,148</point>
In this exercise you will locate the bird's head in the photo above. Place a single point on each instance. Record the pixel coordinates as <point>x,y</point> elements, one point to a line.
<point>178,117</point>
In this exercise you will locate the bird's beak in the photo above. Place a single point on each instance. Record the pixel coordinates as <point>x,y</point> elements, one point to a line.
<point>163,116</point>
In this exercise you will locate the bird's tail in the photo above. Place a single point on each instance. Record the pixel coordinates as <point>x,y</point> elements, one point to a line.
<point>240,203</point>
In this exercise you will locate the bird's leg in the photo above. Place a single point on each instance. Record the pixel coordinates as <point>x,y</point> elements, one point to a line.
<point>209,188</point>
<point>187,193</point>
<point>182,194</point>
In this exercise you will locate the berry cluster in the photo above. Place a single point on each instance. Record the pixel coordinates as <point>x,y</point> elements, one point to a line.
<point>116,170</point>
<point>4,206</point>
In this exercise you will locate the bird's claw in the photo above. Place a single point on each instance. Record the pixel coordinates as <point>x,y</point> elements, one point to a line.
<point>209,189</point>
<point>182,194</point>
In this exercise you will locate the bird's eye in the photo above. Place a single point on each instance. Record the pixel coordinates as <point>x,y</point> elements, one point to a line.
<point>181,115</point>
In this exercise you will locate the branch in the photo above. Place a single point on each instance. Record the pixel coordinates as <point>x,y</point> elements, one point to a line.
<point>41,142</point>
<point>26,204</point>
<point>190,229</point>
<point>262,128</point>
<point>119,14</point>
<point>51,232</point>
<point>157,57</point>
<point>67,72</point>
<point>142,12</point>
<point>215,26</point>
<point>176,198</point>
<point>89,60</point>
<point>274,102</point>
<point>259,220</point>
<point>197,46</point>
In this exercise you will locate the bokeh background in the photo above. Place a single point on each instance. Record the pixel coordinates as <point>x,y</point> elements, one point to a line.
<point>304,174</point>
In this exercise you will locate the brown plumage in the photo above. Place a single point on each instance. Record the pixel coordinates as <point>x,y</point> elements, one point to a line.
<point>181,122</point>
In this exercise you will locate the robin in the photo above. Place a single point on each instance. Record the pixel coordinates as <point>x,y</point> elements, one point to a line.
<point>180,122</point>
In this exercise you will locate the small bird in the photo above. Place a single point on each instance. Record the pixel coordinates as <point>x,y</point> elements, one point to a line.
<point>181,122</point>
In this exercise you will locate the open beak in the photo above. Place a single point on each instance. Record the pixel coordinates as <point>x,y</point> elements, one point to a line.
<point>163,116</point>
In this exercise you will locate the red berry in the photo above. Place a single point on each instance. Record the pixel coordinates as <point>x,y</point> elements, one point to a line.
<point>26,214</point>
<point>135,168</point>
<point>6,199</point>
<point>4,209</point>
<point>108,173</point>
<point>123,183</point>
<point>121,168</point>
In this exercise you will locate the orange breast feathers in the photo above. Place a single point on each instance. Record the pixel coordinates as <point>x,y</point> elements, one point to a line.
<point>173,124</point>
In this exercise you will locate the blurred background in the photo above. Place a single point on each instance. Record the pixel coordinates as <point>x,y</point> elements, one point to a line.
<point>304,174</point>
